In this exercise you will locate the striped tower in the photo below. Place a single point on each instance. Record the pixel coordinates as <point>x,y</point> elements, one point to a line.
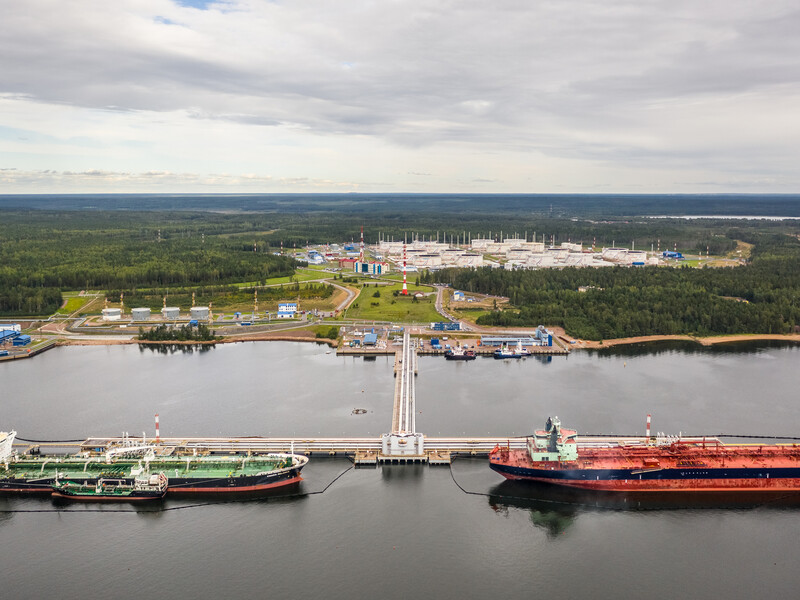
<point>405,280</point>
<point>648,428</point>
<point>158,433</point>
<point>361,254</point>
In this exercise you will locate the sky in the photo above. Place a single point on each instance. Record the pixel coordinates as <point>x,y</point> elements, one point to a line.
<point>511,96</point>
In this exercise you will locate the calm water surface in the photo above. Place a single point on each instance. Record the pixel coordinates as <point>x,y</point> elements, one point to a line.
<point>394,531</point>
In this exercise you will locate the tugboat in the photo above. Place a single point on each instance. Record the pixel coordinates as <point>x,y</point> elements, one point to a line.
<point>141,488</point>
<point>460,353</point>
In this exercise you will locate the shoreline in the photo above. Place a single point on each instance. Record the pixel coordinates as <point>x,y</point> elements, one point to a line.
<point>261,337</point>
<point>566,340</point>
<point>703,341</point>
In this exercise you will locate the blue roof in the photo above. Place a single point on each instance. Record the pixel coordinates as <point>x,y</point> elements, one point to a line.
<point>370,338</point>
<point>8,334</point>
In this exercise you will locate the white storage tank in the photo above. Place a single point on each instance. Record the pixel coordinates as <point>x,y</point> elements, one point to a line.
<point>199,312</point>
<point>140,314</point>
<point>170,313</point>
<point>112,314</point>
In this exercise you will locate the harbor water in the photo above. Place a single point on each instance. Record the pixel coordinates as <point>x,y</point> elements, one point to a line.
<point>399,531</point>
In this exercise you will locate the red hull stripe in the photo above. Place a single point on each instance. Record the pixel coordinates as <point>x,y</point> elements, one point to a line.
<point>672,485</point>
<point>228,490</point>
<point>106,498</point>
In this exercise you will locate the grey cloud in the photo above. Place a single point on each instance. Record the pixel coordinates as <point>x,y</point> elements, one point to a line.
<point>577,79</point>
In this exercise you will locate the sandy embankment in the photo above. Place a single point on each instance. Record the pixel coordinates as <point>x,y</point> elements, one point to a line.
<point>704,341</point>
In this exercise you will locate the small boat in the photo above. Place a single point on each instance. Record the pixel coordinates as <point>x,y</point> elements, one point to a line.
<point>141,488</point>
<point>505,351</point>
<point>460,353</point>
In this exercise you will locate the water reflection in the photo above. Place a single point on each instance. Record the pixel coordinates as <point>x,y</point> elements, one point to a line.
<point>745,346</point>
<point>556,508</point>
<point>173,348</point>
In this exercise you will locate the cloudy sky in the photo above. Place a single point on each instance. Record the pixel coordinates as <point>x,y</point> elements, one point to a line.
<point>561,96</point>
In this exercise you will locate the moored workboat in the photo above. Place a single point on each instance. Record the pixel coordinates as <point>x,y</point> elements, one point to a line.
<point>506,351</point>
<point>141,488</point>
<point>460,352</point>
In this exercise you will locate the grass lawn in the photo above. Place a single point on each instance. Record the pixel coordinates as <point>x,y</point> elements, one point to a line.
<point>469,314</point>
<point>389,307</point>
<point>230,301</point>
<point>74,303</point>
<point>299,276</point>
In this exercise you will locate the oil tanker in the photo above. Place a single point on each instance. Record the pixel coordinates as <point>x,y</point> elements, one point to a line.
<point>189,473</point>
<point>661,464</point>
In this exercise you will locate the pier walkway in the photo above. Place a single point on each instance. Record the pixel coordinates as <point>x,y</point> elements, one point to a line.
<point>365,450</point>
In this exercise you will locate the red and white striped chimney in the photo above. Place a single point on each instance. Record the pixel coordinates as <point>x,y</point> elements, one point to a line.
<point>158,434</point>
<point>648,427</point>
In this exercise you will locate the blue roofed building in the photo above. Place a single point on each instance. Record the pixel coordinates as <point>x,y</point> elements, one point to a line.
<point>287,310</point>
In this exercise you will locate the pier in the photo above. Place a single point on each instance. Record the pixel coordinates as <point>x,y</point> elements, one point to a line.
<point>404,443</point>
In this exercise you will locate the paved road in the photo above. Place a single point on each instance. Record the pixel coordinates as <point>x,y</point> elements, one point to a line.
<point>440,291</point>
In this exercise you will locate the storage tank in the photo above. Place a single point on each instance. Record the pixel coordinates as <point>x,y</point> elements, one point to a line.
<point>112,314</point>
<point>140,314</point>
<point>170,313</point>
<point>199,312</point>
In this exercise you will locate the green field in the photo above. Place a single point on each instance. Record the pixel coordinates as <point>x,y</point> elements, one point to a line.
<point>389,307</point>
<point>73,304</point>
<point>301,275</point>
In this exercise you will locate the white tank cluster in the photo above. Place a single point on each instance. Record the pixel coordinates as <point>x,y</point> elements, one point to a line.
<point>140,314</point>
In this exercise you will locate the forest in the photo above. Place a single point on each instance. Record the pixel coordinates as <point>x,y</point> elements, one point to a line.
<point>151,246</point>
<point>163,333</point>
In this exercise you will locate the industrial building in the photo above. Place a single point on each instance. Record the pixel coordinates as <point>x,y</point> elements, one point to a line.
<point>371,267</point>
<point>21,340</point>
<point>287,310</point>
<point>7,335</point>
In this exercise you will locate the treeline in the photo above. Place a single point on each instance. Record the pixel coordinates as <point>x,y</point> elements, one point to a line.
<point>42,254</point>
<point>23,300</point>
<point>762,297</point>
<point>221,296</point>
<point>162,333</point>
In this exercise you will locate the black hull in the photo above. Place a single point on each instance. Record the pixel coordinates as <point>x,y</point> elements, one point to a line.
<point>178,486</point>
